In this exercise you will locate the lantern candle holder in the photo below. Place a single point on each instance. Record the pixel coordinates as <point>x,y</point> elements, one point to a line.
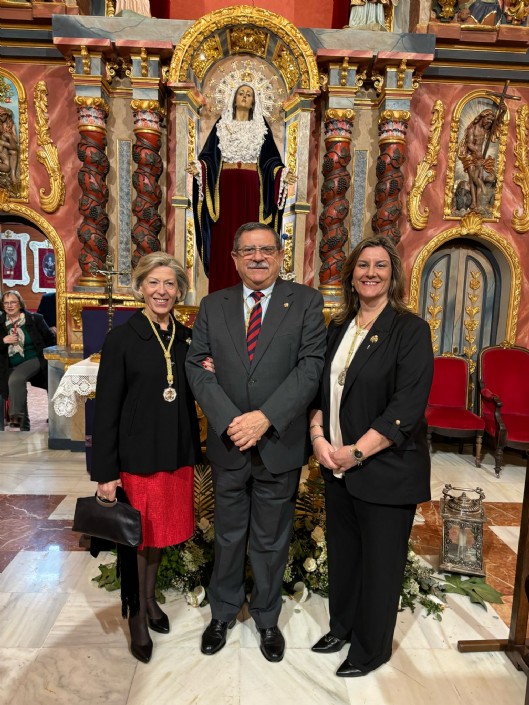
<point>463,520</point>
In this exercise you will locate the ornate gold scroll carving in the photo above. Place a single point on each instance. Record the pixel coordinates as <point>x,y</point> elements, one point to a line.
<point>190,243</point>
<point>520,220</point>
<point>191,141</point>
<point>209,51</point>
<point>470,323</point>
<point>425,170</point>
<point>287,65</point>
<point>292,150</point>
<point>287,261</point>
<point>48,155</point>
<point>85,56</point>
<point>434,310</point>
<point>248,40</point>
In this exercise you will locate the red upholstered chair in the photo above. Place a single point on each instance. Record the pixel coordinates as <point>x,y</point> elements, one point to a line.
<point>447,413</point>
<point>504,398</point>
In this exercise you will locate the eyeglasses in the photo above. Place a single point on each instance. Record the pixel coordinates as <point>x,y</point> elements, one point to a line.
<point>266,251</point>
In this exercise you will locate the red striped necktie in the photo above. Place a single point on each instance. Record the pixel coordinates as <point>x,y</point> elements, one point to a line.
<point>254,324</point>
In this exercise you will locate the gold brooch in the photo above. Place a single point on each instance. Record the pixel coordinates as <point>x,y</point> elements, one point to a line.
<point>373,339</point>
<point>285,305</point>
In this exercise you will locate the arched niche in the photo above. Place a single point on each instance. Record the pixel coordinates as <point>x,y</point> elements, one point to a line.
<point>18,209</point>
<point>472,227</point>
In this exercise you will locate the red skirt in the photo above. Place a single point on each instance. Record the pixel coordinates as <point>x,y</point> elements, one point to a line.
<point>165,500</point>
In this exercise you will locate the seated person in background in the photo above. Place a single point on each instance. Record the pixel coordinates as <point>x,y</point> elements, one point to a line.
<point>48,310</point>
<point>23,337</point>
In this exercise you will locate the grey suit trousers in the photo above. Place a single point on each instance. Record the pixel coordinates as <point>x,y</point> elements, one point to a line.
<point>254,511</point>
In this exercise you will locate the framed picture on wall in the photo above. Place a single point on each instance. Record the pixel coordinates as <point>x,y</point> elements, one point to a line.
<point>44,267</point>
<point>13,258</point>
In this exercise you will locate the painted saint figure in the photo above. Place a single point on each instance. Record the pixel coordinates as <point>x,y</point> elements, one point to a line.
<point>471,151</point>
<point>8,147</point>
<point>239,177</point>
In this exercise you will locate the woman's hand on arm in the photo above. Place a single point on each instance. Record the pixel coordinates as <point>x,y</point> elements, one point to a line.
<point>107,490</point>
<point>323,451</point>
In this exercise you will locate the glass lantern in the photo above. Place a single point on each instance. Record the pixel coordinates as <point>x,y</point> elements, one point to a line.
<point>463,520</point>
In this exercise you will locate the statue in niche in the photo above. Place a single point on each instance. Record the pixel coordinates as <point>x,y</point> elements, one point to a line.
<point>369,14</point>
<point>478,165</point>
<point>517,11</point>
<point>239,175</point>
<point>9,151</point>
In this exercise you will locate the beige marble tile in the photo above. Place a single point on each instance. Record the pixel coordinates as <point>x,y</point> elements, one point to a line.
<point>94,622</point>
<point>187,677</point>
<point>75,676</point>
<point>302,677</point>
<point>26,618</point>
<point>14,664</point>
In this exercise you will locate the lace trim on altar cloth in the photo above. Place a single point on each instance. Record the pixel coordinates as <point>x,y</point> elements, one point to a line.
<point>72,387</point>
<point>241,140</point>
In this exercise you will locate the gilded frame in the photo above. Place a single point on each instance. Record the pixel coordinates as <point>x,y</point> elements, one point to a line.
<point>468,108</point>
<point>13,99</point>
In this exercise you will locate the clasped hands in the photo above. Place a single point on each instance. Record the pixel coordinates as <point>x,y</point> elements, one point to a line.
<point>247,429</point>
<point>336,459</point>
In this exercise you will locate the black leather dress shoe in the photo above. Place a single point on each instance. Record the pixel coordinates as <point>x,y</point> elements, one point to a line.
<point>347,670</point>
<point>142,652</point>
<point>272,644</point>
<point>214,636</point>
<point>328,644</point>
<point>160,625</point>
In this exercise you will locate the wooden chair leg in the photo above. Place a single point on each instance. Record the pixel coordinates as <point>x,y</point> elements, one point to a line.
<point>479,442</point>
<point>498,459</point>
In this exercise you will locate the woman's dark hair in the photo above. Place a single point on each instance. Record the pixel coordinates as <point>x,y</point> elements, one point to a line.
<point>250,113</point>
<point>351,300</point>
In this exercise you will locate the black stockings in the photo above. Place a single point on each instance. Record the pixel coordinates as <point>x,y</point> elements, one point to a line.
<point>148,562</point>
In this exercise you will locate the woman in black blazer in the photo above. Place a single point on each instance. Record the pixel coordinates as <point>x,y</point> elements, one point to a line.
<point>369,435</point>
<point>145,435</point>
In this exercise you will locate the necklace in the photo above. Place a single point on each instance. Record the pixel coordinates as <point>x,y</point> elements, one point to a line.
<point>169,394</point>
<point>358,332</point>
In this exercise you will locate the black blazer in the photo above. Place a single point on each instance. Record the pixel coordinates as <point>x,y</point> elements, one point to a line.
<point>386,388</point>
<point>41,337</point>
<point>135,429</point>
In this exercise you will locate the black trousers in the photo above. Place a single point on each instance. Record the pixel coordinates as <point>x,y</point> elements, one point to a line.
<point>367,550</point>
<point>254,511</point>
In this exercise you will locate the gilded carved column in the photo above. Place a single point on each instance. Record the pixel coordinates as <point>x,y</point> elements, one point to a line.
<point>146,154</point>
<point>392,129</point>
<point>338,128</point>
<point>91,151</point>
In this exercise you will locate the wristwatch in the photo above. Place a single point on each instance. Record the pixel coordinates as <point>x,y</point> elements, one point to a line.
<point>357,454</point>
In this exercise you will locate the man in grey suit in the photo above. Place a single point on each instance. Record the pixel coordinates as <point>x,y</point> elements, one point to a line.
<point>267,340</point>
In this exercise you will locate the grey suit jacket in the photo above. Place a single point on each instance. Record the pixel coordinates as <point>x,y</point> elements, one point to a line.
<point>281,380</point>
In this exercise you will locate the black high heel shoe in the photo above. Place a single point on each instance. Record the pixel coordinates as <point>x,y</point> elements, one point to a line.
<point>142,652</point>
<point>160,625</point>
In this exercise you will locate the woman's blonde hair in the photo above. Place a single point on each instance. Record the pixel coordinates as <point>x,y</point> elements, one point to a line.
<point>158,259</point>
<point>397,286</point>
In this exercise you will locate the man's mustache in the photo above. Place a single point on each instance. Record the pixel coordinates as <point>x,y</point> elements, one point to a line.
<point>258,265</point>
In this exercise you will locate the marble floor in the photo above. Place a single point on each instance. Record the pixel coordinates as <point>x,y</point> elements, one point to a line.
<point>62,639</point>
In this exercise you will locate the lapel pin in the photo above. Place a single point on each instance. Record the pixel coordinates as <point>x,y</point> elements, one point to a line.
<point>285,305</point>
<point>373,339</point>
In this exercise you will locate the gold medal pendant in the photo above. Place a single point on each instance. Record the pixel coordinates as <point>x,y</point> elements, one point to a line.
<point>169,394</point>
<point>341,377</point>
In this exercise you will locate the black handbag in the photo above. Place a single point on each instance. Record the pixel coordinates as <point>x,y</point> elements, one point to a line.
<point>114,521</point>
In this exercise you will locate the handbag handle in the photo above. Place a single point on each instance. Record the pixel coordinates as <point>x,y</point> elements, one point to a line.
<point>104,502</point>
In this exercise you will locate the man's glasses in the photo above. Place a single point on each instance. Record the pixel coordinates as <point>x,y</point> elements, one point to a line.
<point>266,251</point>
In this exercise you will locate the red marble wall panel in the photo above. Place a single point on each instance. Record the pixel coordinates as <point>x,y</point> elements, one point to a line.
<point>63,132</point>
